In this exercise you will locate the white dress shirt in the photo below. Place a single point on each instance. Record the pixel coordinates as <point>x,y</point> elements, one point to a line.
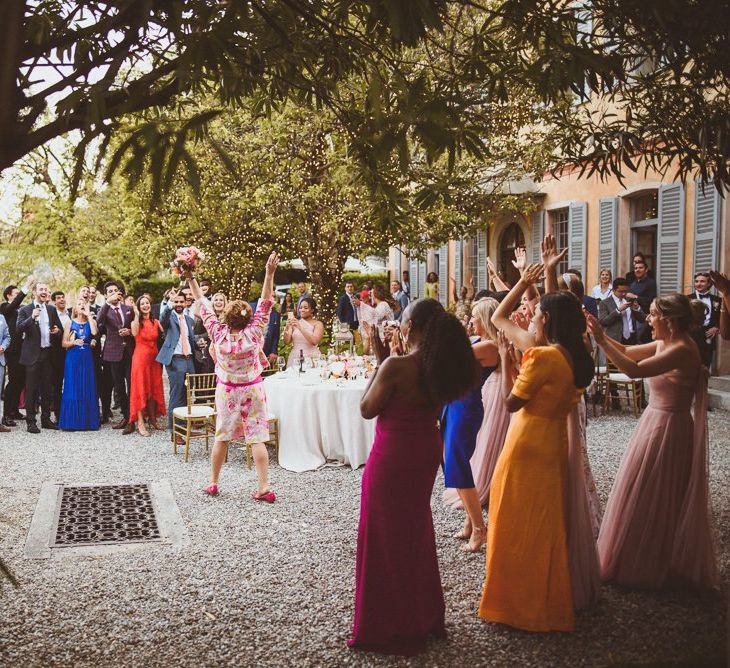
<point>64,317</point>
<point>44,325</point>
<point>705,299</point>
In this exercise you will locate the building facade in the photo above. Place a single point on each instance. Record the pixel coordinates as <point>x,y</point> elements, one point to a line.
<point>681,228</point>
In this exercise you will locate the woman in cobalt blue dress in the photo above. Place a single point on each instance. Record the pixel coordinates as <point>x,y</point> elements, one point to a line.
<point>460,424</point>
<point>79,404</point>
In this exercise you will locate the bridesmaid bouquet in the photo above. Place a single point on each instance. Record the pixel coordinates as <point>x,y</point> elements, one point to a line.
<point>187,259</point>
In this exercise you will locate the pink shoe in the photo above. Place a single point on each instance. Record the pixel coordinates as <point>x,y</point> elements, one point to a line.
<point>269,496</point>
<point>211,490</point>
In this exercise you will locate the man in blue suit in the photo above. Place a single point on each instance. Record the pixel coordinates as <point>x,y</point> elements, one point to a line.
<point>177,350</point>
<point>4,345</point>
<point>345,310</point>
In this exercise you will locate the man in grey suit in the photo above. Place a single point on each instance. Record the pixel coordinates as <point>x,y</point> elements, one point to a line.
<point>177,350</point>
<point>4,345</point>
<point>620,314</point>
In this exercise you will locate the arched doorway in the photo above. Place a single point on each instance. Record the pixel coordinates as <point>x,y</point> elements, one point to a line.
<point>511,238</point>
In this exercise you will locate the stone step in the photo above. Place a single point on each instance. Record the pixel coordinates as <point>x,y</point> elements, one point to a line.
<point>720,383</point>
<point>719,399</point>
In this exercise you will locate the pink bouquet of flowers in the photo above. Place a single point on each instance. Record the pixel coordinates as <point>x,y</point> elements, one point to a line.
<point>187,259</point>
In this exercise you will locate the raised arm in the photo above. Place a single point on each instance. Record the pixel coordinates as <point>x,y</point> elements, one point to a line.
<point>722,283</point>
<point>520,263</point>
<point>551,257</point>
<point>498,283</point>
<point>267,290</point>
<point>521,339</point>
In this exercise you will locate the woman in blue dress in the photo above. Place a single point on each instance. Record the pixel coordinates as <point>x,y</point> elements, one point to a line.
<point>79,404</point>
<point>460,424</point>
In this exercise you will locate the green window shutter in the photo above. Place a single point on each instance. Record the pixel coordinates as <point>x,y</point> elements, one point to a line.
<point>607,223</point>
<point>577,236</point>
<point>670,239</point>
<point>538,232</point>
<point>707,227</point>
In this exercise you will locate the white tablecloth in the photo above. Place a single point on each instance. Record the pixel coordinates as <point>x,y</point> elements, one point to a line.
<point>319,423</point>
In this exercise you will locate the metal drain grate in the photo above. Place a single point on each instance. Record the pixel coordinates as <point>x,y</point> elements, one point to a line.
<point>105,514</point>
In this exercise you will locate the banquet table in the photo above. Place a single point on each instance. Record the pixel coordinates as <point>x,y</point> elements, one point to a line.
<point>319,421</point>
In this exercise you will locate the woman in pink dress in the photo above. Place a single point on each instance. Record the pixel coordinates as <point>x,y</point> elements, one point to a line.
<point>240,400</point>
<point>146,396</point>
<point>399,602</point>
<point>304,332</point>
<point>656,529</point>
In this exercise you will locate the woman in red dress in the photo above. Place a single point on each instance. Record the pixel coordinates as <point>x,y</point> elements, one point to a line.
<point>146,396</point>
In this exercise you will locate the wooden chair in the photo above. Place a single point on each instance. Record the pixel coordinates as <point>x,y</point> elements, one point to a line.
<point>197,419</point>
<point>273,439</point>
<point>633,389</point>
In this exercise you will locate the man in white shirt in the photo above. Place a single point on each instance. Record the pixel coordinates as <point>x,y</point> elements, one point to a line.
<point>58,298</point>
<point>619,313</point>
<point>40,327</point>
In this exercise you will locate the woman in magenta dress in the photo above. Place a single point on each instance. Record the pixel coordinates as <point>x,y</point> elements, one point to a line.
<point>656,528</point>
<point>398,598</point>
<point>146,397</point>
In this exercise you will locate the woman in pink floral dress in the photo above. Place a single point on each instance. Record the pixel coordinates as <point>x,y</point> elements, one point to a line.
<point>240,402</point>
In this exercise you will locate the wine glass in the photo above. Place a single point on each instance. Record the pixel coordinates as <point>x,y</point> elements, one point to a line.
<point>280,362</point>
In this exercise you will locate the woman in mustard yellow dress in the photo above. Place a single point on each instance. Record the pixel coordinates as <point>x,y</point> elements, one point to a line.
<point>528,581</point>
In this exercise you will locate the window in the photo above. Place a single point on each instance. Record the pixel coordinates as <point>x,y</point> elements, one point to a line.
<point>643,219</point>
<point>472,259</point>
<point>645,207</point>
<point>511,238</point>
<point>559,221</point>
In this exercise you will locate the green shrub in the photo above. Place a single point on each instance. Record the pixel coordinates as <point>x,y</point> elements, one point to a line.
<point>155,287</point>
<point>359,278</point>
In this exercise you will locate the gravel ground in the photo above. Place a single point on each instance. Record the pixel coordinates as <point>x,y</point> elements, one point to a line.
<point>262,585</point>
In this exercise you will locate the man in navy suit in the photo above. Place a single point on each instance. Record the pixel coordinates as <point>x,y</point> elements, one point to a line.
<point>115,321</point>
<point>272,334</point>
<point>345,310</point>
<point>40,328</point>
<point>177,350</point>
<point>14,297</point>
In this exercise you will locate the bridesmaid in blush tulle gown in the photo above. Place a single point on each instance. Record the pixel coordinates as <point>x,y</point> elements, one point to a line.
<point>146,396</point>
<point>656,529</point>
<point>398,598</point>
